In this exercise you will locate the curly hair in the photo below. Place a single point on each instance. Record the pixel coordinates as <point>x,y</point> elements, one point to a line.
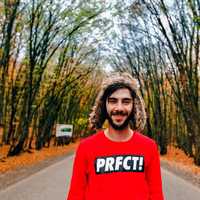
<point>114,82</point>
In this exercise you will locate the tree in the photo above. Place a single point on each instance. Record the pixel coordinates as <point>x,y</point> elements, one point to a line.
<point>159,45</point>
<point>10,13</point>
<point>181,38</point>
<point>48,28</point>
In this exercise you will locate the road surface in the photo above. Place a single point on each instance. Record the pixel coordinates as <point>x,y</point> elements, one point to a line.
<point>52,184</point>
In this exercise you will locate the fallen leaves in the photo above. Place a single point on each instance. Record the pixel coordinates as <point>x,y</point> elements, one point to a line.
<point>32,157</point>
<point>174,155</point>
<point>177,157</point>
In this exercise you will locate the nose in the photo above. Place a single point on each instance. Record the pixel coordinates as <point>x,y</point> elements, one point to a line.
<point>119,105</point>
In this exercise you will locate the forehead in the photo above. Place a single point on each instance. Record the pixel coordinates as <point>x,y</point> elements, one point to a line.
<point>121,94</point>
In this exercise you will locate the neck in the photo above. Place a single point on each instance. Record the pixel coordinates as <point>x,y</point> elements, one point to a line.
<point>118,135</point>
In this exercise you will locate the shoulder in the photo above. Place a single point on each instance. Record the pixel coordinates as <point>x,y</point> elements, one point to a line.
<point>145,140</point>
<point>91,140</point>
<point>147,144</point>
<point>87,144</point>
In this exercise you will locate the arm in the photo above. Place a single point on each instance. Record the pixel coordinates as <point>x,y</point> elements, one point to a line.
<point>153,176</point>
<point>79,176</point>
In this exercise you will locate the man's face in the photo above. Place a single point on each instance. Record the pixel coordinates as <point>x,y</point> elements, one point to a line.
<point>119,106</point>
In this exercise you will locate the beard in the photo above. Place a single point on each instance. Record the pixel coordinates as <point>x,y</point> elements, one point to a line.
<point>121,126</point>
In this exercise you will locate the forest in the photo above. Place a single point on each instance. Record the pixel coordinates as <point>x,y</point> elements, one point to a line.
<point>55,54</point>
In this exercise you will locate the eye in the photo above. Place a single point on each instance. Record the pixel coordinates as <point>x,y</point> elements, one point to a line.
<point>127,101</point>
<point>112,100</point>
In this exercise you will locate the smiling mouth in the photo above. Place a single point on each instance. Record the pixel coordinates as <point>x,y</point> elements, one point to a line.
<point>119,118</point>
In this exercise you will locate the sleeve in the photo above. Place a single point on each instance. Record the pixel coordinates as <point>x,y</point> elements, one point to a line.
<point>153,176</point>
<point>79,176</point>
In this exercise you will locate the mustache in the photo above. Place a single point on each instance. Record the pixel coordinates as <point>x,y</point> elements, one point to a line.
<point>119,113</point>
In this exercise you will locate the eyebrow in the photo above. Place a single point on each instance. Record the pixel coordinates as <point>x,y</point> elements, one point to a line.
<point>113,98</point>
<point>127,98</point>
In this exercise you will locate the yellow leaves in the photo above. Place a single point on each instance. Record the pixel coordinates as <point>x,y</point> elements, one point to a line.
<point>82,121</point>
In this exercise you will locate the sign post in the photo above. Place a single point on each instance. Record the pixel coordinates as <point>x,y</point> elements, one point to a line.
<point>64,130</point>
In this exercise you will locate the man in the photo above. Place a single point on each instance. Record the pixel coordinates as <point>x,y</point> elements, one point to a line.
<point>117,163</point>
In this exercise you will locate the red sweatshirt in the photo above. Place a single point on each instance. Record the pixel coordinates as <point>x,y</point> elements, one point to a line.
<point>108,170</point>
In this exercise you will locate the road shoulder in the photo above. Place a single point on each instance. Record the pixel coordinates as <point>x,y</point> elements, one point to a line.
<point>14,176</point>
<point>181,171</point>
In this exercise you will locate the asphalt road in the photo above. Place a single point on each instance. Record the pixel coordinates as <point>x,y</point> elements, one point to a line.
<point>52,184</point>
